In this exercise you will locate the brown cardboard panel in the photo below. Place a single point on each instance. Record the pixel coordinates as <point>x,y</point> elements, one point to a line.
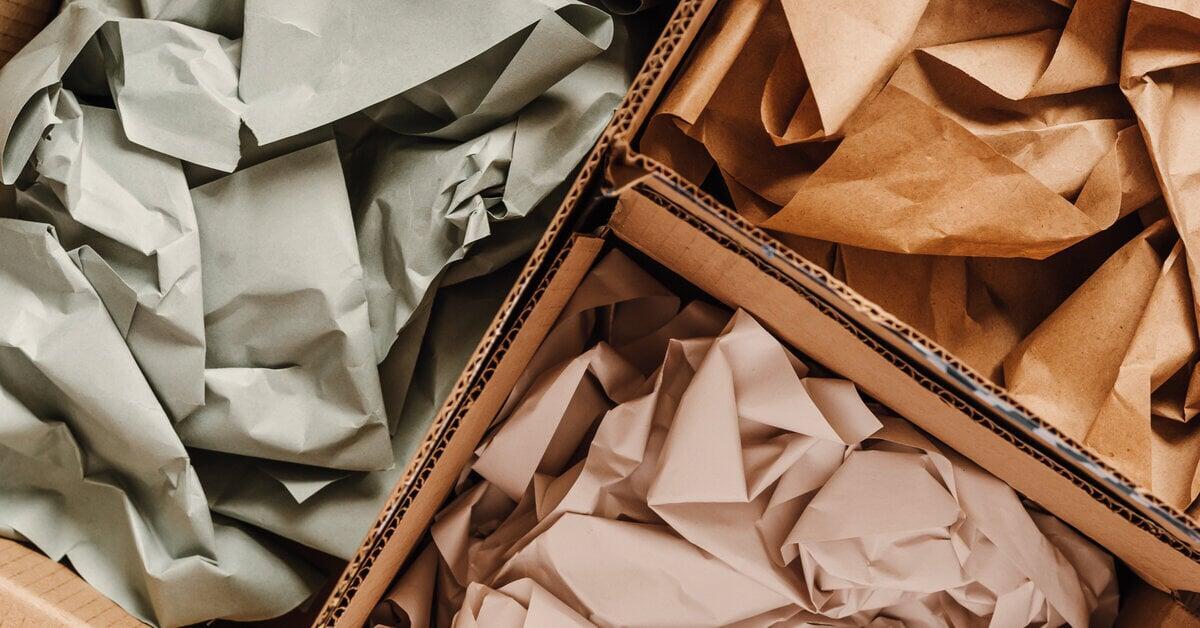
<point>20,20</point>
<point>454,435</point>
<point>805,321</point>
<point>1145,606</point>
<point>36,591</point>
<point>628,169</point>
<point>665,56</point>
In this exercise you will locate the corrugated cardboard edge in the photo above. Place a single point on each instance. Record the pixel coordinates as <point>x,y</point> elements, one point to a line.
<point>1173,526</point>
<point>994,445</point>
<point>627,163</point>
<point>20,20</point>
<point>453,437</point>
<point>663,58</point>
<point>36,591</point>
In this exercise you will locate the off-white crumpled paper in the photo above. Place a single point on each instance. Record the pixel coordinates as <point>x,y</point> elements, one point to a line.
<point>981,173</point>
<point>248,248</point>
<point>687,469</point>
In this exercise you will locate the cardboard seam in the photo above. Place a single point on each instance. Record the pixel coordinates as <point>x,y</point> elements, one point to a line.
<point>947,396</point>
<point>482,363</point>
<point>969,376</point>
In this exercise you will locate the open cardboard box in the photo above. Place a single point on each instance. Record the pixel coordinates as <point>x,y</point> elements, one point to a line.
<point>1158,541</point>
<point>649,218</point>
<point>679,227</point>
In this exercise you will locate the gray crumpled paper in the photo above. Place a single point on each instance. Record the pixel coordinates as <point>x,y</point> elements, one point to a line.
<point>395,47</point>
<point>134,524</point>
<point>127,216</point>
<point>177,85</point>
<point>390,163</point>
<point>201,83</point>
<point>291,372</point>
<point>406,260</point>
<point>428,199</point>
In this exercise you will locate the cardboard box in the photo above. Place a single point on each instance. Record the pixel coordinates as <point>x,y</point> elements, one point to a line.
<point>649,217</point>
<point>1157,540</point>
<point>710,246</point>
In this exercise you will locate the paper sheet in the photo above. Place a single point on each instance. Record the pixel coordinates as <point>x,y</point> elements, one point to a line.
<point>382,49</point>
<point>67,480</point>
<point>198,122</point>
<point>257,313</point>
<point>730,486</point>
<point>303,388</point>
<point>335,518</point>
<point>150,95</point>
<point>127,217</point>
<point>426,202</point>
<point>975,177</point>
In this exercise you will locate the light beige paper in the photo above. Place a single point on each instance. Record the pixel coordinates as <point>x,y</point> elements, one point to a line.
<point>736,488</point>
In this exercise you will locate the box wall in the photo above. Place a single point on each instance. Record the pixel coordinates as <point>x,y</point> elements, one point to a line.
<point>814,328</point>
<point>647,85</point>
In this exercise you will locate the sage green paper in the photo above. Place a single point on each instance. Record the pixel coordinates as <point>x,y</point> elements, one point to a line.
<point>182,370</point>
<point>291,370</point>
<point>133,524</point>
<point>429,211</point>
<point>127,214</point>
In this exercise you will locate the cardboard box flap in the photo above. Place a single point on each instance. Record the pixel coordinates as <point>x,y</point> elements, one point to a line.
<point>801,311</point>
<point>629,169</point>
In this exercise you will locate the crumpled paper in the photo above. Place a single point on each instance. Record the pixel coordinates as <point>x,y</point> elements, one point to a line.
<point>461,163</point>
<point>288,225</point>
<point>126,215</point>
<point>976,178</point>
<point>278,237</point>
<point>723,483</point>
<point>65,462</point>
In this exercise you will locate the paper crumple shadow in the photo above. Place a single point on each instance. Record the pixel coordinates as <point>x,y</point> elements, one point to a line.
<point>387,172</point>
<point>970,176</point>
<point>720,483</point>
